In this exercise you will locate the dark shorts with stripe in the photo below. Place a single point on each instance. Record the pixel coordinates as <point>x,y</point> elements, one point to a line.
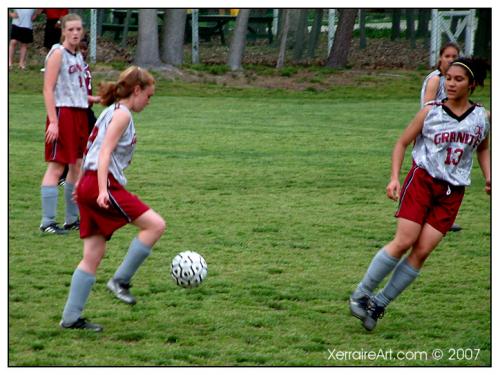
<point>73,135</point>
<point>124,207</point>
<point>21,34</point>
<point>425,199</point>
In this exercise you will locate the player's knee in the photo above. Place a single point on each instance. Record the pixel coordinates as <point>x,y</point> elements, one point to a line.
<point>417,258</point>
<point>55,170</point>
<point>90,264</point>
<point>400,246</point>
<point>162,225</point>
<point>158,226</point>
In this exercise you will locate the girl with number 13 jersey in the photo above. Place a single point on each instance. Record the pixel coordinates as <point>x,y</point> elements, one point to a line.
<point>446,134</point>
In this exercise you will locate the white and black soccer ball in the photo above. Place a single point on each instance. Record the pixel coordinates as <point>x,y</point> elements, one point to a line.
<point>189,269</point>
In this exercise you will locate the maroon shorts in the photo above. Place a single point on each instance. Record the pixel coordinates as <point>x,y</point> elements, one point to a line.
<point>73,135</point>
<point>425,199</point>
<point>124,207</point>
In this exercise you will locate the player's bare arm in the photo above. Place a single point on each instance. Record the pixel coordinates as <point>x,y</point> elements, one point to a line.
<point>431,89</point>
<point>49,83</point>
<point>483,157</point>
<point>115,130</point>
<point>409,135</point>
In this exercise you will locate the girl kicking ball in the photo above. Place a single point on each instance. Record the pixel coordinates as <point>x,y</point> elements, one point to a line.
<point>105,205</point>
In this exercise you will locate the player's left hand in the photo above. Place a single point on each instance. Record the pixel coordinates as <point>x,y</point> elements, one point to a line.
<point>74,195</point>
<point>487,187</point>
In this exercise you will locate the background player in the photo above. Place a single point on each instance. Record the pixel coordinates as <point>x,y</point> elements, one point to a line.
<point>66,133</point>
<point>84,44</point>
<point>433,87</point>
<point>104,203</point>
<point>446,135</point>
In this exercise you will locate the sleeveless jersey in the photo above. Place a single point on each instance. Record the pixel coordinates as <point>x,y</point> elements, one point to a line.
<point>70,89</point>
<point>441,93</point>
<point>121,156</point>
<point>447,143</point>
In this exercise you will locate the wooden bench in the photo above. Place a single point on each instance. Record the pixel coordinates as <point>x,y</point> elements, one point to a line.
<point>214,25</point>
<point>117,19</point>
<point>209,25</point>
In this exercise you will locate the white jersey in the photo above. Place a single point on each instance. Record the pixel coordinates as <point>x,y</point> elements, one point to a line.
<point>447,143</point>
<point>24,18</point>
<point>441,92</point>
<point>70,90</point>
<point>121,157</point>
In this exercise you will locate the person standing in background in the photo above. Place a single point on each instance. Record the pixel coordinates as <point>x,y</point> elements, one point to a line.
<point>53,26</point>
<point>84,48</point>
<point>433,86</point>
<point>22,32</point>
<point>66,102</point>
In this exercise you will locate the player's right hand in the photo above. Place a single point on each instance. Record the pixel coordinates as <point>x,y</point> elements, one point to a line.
<point>393,189</point>
<point>52,132</point>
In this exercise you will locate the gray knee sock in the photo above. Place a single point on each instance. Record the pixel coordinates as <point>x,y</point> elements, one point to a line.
<point>137,253</point>
<point>382,264</point>
<point>81,284</point>
<point>403,276</point>
<point>49,204</point>
<point>71,207</point>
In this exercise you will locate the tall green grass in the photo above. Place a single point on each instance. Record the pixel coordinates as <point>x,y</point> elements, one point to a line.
<point>284,195</point>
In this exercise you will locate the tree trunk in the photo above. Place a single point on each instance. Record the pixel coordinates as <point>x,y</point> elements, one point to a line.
<point>238,42</point>
<point>173,36</point>
<point>482,47</point>
<point>410,27</point>
<point>315,33</point>
<point>147,53</point>
<point>424,16</point>
<point>293,21</point>
<point>396,27</point>
<point>100,19</point>
<point>284,33</point>
<point>340,50</point>
<point>125,28</point>
<point>362,28</point>
<point>300,35</point>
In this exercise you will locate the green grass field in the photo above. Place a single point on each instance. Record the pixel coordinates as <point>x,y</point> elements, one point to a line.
<point>284,195</point>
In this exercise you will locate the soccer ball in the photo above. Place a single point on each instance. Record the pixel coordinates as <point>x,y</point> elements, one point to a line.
<point>189,269</point>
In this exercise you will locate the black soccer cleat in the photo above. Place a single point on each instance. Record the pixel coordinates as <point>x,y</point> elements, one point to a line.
<point>358,306</point>
<point>455,228</point>
<point>82,323</point>
<point>73,226</point>
<point>121,291</point>
<point>374,312</point>
<point>53,228</point>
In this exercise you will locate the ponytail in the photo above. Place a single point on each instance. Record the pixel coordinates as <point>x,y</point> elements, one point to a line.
<point>107,93</point>
<point>111,92</point>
